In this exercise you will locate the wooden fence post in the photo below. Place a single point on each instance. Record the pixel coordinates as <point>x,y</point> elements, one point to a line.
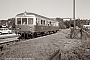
<point>72,31</point>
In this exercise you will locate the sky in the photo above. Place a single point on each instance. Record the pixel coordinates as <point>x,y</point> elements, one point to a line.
<point>48,8</point>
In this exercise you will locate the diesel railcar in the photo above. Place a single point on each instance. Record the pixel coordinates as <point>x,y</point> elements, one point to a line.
<point>30,25</point>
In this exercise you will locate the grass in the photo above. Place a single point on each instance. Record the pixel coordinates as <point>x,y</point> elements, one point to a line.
<point>43,47</point>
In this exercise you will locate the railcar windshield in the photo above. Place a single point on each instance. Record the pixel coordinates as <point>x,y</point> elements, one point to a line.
<point>24,20</point>
<point>30,20</point>
<point>18,20</point>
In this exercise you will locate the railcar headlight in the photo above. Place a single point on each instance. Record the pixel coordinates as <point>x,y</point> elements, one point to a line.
<point>18,28</point>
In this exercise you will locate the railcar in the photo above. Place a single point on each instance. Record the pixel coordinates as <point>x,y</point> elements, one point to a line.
<point>30,25</point>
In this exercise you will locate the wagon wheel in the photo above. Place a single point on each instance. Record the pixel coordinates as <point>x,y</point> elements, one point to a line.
<point>35,35</point>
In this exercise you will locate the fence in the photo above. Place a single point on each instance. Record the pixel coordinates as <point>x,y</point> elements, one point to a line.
<point>80,33</point>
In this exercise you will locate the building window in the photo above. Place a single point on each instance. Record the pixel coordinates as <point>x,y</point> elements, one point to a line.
<point>30,20</point>
<point>24,21</point>
<point>18,20</point>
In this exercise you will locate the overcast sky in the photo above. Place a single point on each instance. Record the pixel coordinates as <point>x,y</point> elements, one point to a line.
<point>48,8</point>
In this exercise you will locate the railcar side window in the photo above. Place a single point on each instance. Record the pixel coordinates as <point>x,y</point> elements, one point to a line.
<point>30,20</point>
<point>53,23</point>
<point>18,20</point>
<point>36,21</point>
<point>42,22</point>
<point>50,23</point>
<point>24,20</point>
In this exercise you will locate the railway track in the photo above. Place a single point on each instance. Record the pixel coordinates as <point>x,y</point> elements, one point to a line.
<point>4,36</point>
<point>8,38</point>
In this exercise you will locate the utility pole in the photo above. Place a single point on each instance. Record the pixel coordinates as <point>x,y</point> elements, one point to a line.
<point>74,13</point>
<point>73,29</point>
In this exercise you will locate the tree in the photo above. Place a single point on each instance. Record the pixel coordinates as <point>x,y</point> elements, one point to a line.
<point>61,23</point>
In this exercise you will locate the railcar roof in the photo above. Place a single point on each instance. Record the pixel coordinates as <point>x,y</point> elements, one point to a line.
<point>29,13</point>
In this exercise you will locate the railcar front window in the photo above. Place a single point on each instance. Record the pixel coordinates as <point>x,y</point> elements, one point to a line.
<point>30,20</point>
<point>18,20</point>
<point>24,20</point>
